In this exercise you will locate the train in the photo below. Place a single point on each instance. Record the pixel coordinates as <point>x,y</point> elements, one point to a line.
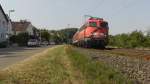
<point>93,34</point>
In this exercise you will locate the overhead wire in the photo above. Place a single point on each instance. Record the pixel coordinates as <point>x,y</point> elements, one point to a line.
<point>126,6</point>
<point>100,3</point>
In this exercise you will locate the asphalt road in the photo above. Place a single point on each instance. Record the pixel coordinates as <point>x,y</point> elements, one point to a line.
<point>9,56</point>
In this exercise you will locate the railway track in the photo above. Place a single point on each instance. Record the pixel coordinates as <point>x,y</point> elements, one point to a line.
<point>133,63</point>
<point>143,54</point>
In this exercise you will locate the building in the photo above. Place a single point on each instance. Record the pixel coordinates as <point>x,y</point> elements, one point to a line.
<point>9,30</point>
<point>24,26</point>
<point>4,26</point>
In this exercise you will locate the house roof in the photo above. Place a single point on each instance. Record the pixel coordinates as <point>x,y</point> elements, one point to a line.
<point>20,26</point>
<point>6,17</point>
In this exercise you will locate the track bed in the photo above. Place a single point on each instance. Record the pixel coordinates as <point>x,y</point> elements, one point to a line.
<point>133,63</point>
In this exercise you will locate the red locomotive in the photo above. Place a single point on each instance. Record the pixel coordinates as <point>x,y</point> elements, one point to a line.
<point>94,33</point>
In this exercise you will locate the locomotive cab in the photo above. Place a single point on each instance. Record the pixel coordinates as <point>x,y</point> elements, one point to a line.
<point>104,25</point>
<point>98,29</point>
<point>92,24</point>
<point>94,33</point>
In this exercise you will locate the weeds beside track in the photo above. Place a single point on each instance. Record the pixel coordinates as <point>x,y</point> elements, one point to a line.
<point>133,63</point>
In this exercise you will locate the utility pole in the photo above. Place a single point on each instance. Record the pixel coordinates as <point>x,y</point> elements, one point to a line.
<point>9,25</point>
<point>10,11</point>
<point>68,25</point>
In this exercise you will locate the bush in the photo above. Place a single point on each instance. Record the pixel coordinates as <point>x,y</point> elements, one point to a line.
<point>130,40</point>
<point>3,44</point>
<point>13,38</point>
<point>22,39</point>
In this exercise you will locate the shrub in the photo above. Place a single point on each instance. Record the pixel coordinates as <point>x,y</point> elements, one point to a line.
<point>3,44</point>
<point>22,39</point>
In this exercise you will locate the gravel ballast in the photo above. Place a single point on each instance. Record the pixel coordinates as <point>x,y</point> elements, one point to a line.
<point>135,69</point>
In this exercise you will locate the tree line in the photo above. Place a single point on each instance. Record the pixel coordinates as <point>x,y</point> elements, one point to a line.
<point>63,35</point>
<point>57,36</point>
<point>135,39</point>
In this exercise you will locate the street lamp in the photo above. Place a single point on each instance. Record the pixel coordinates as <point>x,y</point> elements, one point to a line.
<point>9,25</point>
<point>9,18</point>
<point>10,11</point>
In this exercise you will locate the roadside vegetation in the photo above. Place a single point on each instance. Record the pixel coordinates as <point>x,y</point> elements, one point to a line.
<point>63,35</point>
<point>95,72</point>
<point>57,36</point>
<point>61,65</point>
<point>135,39</point>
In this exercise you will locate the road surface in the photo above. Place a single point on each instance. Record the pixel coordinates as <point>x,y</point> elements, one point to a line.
<point>9,56</point>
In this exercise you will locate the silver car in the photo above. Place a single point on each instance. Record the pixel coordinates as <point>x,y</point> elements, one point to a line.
<point>33,42</point>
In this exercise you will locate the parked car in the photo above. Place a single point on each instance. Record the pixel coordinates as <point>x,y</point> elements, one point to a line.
<point>52,43</point>
<point>33,42</point>
<point>44,43</point>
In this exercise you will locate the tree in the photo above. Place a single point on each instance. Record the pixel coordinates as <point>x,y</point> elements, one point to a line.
<point>22,39</point>
<point>63,35</point>
<point>67,34</point>
<point>130,40</point>
<point>136,39</point>
<point>13,39</point>
<point>45,35</point>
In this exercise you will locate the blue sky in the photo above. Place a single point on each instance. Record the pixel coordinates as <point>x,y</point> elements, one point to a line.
<point>123,15</point>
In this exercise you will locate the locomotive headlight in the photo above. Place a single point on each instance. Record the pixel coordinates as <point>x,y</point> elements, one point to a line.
<point>95,34</point>
<point>98,34</point>
<point>101,34</point>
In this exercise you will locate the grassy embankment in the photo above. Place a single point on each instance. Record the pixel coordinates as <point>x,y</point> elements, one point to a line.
<point>60,65</point>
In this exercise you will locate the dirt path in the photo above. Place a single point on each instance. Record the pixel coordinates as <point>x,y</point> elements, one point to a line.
<point>9,56</point>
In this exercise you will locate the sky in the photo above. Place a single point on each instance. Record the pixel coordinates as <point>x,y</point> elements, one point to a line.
<point>123,15</point>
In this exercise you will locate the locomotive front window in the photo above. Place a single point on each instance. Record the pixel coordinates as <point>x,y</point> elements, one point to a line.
<point>92,24</point>
<point>104,24</point>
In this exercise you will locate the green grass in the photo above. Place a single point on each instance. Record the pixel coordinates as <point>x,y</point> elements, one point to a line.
<point>94,71</point>
<point>61,65</point>
<point>45,68</point>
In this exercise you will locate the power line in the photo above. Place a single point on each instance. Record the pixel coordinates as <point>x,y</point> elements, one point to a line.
<point>128,5</point>
<point>100,3</point>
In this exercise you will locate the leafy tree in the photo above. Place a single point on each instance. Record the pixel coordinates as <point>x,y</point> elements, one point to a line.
<point>63,35</point>
<point>130,40</point>
<point>136,39</point>
<point>146,42</point>
<point>13,39</point>
<point>45,35</point>
<point>67,34</point>
<point>22,39</point>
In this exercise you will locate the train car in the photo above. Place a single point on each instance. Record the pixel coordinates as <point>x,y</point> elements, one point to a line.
<point>94,33</point>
